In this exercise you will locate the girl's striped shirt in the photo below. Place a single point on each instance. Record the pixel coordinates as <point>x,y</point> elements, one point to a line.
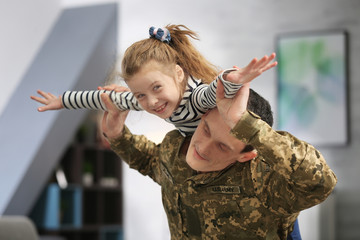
<point>197,99</point>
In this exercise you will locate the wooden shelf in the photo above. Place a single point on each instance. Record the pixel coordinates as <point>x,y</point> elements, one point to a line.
<point>90,207</point>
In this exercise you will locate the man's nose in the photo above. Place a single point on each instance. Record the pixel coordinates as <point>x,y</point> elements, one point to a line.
<point>206,146</point>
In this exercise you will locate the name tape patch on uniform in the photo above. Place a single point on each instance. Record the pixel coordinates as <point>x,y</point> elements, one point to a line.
<point>224,189</point>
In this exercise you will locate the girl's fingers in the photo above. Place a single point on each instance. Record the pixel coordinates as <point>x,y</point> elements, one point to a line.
<point>270,66</point>
<point>42,93</point>
<point>265,60</point>
<point>270,58</point>
<point>52,95</point>
<point>47,96</point>
<point>39,99</point>
<point>262,61</point>
<point>42,109</point>
<point>252,63</point>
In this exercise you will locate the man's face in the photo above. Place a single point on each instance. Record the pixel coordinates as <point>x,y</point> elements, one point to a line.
<point>212,148</point>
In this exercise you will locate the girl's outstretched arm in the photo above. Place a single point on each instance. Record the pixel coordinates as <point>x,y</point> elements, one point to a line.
<point>252,70</point>
<point>50,101</point>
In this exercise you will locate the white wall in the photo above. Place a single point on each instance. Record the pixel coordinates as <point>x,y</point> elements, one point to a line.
<point>24,26</point>
<point>77,52</point>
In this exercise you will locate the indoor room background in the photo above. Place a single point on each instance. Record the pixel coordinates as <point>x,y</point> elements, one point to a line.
<point>231,32</point>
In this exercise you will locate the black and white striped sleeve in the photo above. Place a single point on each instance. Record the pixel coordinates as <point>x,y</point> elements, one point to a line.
<point>204,96</point>
<point>92,100</point>
<point>230,88</point>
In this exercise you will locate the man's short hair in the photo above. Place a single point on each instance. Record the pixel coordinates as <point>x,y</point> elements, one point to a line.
<point>261,107</point>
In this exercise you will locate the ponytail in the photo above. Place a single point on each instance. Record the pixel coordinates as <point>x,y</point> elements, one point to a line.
<point>179,50</point>
<point>189,58</point>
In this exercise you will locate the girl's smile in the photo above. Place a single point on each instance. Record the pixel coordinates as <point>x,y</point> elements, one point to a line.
<point>161,109</point>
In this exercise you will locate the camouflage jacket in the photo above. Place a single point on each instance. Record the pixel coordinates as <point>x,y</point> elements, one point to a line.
<point>259,199</point>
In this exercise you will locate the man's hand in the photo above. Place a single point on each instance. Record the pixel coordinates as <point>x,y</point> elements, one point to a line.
<point>232,109</point>
<point>252,70</point>
<point>114,87</point>
<point>113,121</point>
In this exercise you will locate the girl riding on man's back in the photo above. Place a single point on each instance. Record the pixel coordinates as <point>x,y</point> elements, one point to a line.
<point>167,77</point>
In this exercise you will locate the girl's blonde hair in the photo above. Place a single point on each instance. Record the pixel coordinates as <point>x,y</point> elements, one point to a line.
<point>179,51</point>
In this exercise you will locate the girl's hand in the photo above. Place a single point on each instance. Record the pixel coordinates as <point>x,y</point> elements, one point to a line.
<point>50,101</point>
<point>252,70</point>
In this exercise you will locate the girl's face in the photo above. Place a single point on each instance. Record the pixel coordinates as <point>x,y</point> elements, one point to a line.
<point>158,91</point>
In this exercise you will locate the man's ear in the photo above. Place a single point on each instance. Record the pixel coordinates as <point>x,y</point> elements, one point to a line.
<point>247,156</point>
<point>179,73</point>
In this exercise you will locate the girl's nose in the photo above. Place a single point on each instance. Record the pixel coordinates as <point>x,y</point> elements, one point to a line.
<point>152,101</point>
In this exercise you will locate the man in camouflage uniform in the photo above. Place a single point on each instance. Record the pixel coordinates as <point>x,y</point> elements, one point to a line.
<point>249,184</point>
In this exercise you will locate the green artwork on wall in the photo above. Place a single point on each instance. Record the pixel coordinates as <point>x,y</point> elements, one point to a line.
<point>312,86</point>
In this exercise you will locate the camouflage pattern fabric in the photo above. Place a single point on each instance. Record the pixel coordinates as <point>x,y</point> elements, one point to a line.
<point>259,199</point>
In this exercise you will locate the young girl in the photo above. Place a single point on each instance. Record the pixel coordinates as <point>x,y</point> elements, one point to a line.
<point>167,77</point>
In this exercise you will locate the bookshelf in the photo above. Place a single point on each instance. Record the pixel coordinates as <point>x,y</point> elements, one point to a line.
<point>83,198</point>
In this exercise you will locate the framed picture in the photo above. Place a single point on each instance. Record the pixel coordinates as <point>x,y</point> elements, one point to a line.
<point>312,86</point>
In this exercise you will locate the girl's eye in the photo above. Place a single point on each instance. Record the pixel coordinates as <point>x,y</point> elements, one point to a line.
<point>157,87</point>
<point>139,96</point>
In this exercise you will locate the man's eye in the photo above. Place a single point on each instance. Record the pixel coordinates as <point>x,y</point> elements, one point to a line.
<point>223,147</point>
<point>206,131</point>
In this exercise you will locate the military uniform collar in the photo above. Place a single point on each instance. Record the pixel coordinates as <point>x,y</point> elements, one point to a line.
<point>208,177</point>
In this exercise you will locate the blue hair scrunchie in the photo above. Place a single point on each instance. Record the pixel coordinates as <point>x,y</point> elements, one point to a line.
<point>161,34</point>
